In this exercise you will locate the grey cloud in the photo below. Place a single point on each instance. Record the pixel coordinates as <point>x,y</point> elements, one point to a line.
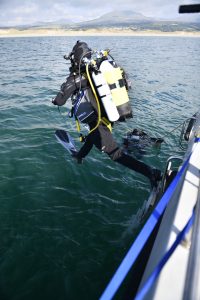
<point>27,11</point>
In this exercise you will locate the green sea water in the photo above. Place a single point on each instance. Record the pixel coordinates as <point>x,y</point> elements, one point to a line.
<point>64,228</point>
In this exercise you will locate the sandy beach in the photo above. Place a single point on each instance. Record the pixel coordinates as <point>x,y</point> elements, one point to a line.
<point>90,32</point>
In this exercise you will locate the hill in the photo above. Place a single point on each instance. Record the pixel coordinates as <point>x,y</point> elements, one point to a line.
<point>137,22</point>
<point>116,20</point>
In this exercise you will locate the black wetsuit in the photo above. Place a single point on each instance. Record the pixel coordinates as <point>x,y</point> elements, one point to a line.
<point>102,138</point>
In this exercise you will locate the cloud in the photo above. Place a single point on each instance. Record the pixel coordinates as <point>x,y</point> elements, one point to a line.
<point>16,12</point>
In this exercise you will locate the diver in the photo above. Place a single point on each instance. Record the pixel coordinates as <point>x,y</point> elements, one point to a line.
<point>100,131</point>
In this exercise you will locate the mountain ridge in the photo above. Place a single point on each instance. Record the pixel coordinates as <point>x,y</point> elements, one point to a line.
<point>117,19</point>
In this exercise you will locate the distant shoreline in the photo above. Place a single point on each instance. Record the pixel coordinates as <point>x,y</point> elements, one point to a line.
<point>91,32</point>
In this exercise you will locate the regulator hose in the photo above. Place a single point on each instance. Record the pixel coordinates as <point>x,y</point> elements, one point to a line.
<point>96,97</point>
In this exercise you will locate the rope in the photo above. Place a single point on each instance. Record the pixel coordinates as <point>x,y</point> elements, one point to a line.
<point>179,125</point>
<point>60,112</point>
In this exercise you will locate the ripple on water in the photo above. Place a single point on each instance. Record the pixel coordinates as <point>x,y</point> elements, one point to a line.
<point>63,223</point>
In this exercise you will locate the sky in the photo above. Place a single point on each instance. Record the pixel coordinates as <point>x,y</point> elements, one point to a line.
<point>22,12</point>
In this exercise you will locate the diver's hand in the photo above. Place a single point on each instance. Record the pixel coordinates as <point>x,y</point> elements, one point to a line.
<point>53,101</point>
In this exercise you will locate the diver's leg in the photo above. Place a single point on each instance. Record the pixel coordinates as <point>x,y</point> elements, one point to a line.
<point>108,145</point>
<point>130,162</point>
<point>134,164</point>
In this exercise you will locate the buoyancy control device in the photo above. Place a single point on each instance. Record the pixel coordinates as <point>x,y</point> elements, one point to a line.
<point>83,109</point>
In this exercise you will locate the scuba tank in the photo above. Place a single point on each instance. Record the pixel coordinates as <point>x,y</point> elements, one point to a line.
<point>105,96</point>
<point>117,84</point>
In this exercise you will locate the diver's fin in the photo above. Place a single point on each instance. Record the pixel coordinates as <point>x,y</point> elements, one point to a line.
<point>66,141</point>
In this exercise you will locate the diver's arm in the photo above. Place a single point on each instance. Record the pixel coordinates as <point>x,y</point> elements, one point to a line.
<point>68,88</point>
<point>66,91</point>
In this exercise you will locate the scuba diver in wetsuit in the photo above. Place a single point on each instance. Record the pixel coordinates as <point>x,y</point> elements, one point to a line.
<point>100,134</point>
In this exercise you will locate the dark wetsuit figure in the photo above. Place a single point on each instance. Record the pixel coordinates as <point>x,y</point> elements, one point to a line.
<point>102,137</point>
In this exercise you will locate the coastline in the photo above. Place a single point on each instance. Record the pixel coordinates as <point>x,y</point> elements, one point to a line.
<point>6,33</point>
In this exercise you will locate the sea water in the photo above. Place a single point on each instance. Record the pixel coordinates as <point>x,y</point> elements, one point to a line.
<point>64,227</point>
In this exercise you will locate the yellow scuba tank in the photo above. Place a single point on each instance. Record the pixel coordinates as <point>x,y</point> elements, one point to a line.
<point>115,80</point>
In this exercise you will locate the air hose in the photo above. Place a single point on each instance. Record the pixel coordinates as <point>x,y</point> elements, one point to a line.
<point>96,97</point>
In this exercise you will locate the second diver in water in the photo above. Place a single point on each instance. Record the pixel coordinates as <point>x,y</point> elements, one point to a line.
<point>89,110</point>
